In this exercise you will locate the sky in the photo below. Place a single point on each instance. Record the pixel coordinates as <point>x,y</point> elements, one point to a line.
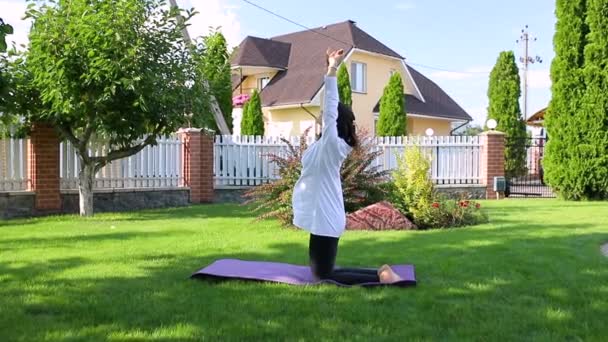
<point>454,43</point>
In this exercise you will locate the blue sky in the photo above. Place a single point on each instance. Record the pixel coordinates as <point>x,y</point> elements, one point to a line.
<point>463,37</point>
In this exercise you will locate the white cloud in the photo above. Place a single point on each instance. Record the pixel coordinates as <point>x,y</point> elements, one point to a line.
<point>539,79</point>
<point>406,5</point>
<point>12,13</point>
<point>214,13</point>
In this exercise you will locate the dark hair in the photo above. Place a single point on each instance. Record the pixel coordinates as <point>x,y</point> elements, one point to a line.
<point>346,125</point>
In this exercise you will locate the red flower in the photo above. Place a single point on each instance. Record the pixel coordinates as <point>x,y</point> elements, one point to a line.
<point>477,205</point>
<point>435,205</point>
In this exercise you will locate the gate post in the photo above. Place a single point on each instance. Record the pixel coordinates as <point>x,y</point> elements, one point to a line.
<point>197,164</point>
<point>43,168</point>
<point>492,160</point>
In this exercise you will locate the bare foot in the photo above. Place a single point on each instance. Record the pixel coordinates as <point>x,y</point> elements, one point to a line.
<point>387,275</point>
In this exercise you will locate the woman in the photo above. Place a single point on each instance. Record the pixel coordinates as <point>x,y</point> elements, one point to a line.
<point>318,204</point>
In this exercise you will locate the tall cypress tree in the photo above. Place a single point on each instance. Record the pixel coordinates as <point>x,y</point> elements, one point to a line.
<point>503,95</point>
<point>344,89</point>
<point>561,161</point>
<point>392,121</point>
<point>591,169</point>
<point>253,117</point>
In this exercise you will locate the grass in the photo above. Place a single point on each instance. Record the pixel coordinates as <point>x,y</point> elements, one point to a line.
<point>535,272</point>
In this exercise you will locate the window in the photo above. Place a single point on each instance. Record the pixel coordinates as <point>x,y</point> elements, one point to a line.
<point>262,82</point>
<point>358,77</point>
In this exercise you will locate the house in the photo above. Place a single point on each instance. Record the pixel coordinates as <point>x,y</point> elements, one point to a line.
<point>288,71</point>
<point>536,122</point>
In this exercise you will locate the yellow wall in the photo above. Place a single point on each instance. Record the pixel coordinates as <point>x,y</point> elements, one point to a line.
<point>378,75</point>
<point>251,82</point>
<point>418,126</point>
<point>290,121</point>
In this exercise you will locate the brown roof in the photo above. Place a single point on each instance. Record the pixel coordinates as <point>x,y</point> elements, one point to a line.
<point>306,63</point>
<point>537,119</point>
<point>254,51</point>
<point>302,54</point>
<point>436,102</point>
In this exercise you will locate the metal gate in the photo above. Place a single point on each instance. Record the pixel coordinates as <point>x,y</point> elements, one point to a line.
<point>524,169</point>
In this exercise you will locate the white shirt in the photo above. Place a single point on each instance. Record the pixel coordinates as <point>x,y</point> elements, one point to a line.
<point>318,204</point>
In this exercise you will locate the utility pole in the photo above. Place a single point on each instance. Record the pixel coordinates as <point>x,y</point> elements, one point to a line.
<point>215,107</point>
<point>526,60</point>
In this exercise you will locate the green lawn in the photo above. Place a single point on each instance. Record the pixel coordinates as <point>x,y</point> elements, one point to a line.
<point>535,272</point>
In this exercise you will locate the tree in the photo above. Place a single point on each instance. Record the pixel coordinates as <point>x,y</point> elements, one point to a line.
<point>561,161</point>
<point>116,73</point>
<point>503,95</point>
<point>344,90</point>
<point>215,67</point>
<point>470,130</point>
<point>591,120</point>
<point>392,120</point>
<point>253,117</point>
<point>5,29</point>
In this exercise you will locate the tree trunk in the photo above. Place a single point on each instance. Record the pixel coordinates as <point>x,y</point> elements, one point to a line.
<point>85,188</point>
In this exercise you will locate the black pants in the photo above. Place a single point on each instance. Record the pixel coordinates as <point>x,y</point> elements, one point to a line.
<point>322,251</point>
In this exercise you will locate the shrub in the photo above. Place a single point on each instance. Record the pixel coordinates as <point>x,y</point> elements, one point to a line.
<point>413,186</point>
<point>392,120</point>
<point>414,194</point>
<point>455,213</point>
<point>344,89</point>
<point>361,182</point>
<point>252,122</point>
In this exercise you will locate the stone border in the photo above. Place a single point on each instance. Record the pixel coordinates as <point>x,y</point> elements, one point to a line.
<point>22,203</point>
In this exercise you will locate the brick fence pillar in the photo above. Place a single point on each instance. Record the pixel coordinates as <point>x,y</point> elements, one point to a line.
<point>43,167</point>
<point>197,164</point>
<point>492,160</point>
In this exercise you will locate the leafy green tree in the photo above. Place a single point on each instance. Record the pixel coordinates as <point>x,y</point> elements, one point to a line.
<point>5,29</point>
<point>392,120</point>
<point>215,67</point>
<point>344,90</point>
<point>116,73</point>
<point>470,130</point>
<point>503,95</point>
<point>253,117</point>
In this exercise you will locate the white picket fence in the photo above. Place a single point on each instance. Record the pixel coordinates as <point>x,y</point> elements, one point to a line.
<point>243,161</point>
<point>13,165</point>
<point>157,166</point>
<point>239,161</point>
<point>454,159</point>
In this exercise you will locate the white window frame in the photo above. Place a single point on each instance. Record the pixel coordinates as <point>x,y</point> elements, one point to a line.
<point>355,77</point>
<point>261,84</point>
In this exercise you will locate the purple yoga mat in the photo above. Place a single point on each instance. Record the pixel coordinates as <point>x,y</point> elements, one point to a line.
<point>284,273</point>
